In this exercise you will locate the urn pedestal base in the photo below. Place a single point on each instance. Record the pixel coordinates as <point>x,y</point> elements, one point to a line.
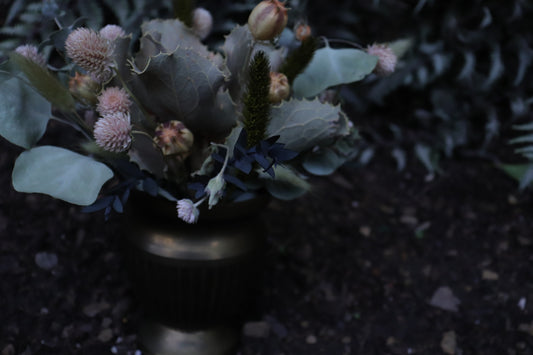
<point>158,339</point>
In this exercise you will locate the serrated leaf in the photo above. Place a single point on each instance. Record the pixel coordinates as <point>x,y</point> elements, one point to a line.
<point>184,86</point>
<point>287,185</point>
<point>148,157</point>
<point>24,113</point>
<point>303,124</point>
<point>524,127</point>
<point>45,83</point>
<point>331,67</point>
<point>236,49</point>
<point>60,173</point>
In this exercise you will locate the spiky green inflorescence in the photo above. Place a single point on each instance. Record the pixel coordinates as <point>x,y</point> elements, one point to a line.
<point>183,10</point>
<point>256,110</point>
<point>298,60</point>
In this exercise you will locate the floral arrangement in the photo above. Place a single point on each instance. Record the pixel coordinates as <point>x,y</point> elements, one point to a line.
<point>177,119</point>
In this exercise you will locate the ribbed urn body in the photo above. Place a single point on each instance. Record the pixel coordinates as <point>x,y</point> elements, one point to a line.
<point>196,277</point>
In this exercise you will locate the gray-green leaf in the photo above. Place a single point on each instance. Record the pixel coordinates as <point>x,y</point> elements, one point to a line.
<point>287,185</point>
<point>24,113</point>
<point>303,124</point>
<point>60,173</point>
<point>331,67</point>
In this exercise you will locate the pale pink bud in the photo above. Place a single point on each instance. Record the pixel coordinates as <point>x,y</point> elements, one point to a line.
<point>386,59</point>
<point>113,132</point>
<point>32,53</point>
<point>113,100</point>
<point>174,138</point>
<point>187,211</point>
<point>202,22</point>
<point>302,31</point>
<point>91,52</point>
<point>267,20</point>
<point>279,88</point>
<point>112,32</point>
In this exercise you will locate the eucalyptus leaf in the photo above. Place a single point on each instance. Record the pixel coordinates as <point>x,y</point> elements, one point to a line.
<point>24,113</point>
<point>45,83</point>
<point>401,46</point>
<point>287,185</point>
<point>60,173</point>
<point>331,67</point>
<point>303,124</point>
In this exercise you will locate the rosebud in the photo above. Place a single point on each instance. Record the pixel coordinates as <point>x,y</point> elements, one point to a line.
<point>386,59</point>
<point>302,31</point>
<point>174,138</point>
<point>267,20</point>
<point>279,87</point>
<point>84,88</point>
<point>202,22</point>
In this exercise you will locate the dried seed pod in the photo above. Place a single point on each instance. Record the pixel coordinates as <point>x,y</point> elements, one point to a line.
<point>279,87</point>
<point>174,138</point>
<point>84,88</point>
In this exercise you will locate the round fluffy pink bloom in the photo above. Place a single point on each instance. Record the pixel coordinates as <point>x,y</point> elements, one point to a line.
<point>202,22</point>
<point>113,100</point>
<point>187,211</point>
<point>112,32</point>
<point>91,52</point>
<point>386,59</point>
<point>32,53</point>
<point>113,132</point>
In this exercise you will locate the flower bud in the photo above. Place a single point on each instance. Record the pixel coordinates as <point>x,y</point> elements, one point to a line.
<point>279,88</point>
<point>174,138</point>
<point>302,31</point>
<point>202,22</point>
<point>112,100</point>
<point>84,88</point>
<point>112,32</point>
<point>386,59</point>
<point>32,53</point>
<point>267,20</point>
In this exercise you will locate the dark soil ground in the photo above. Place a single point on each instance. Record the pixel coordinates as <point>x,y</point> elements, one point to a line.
<point>373,261</point>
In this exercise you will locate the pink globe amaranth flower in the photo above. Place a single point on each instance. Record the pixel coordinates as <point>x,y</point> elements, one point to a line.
<point>113,132</point>
<point>386,59</point>
<point>90,51</point>
<point>32,53</point>
<point>202,22</point>
<point>113,100</point>
<point>187,211</point>
<point>112,32</point>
